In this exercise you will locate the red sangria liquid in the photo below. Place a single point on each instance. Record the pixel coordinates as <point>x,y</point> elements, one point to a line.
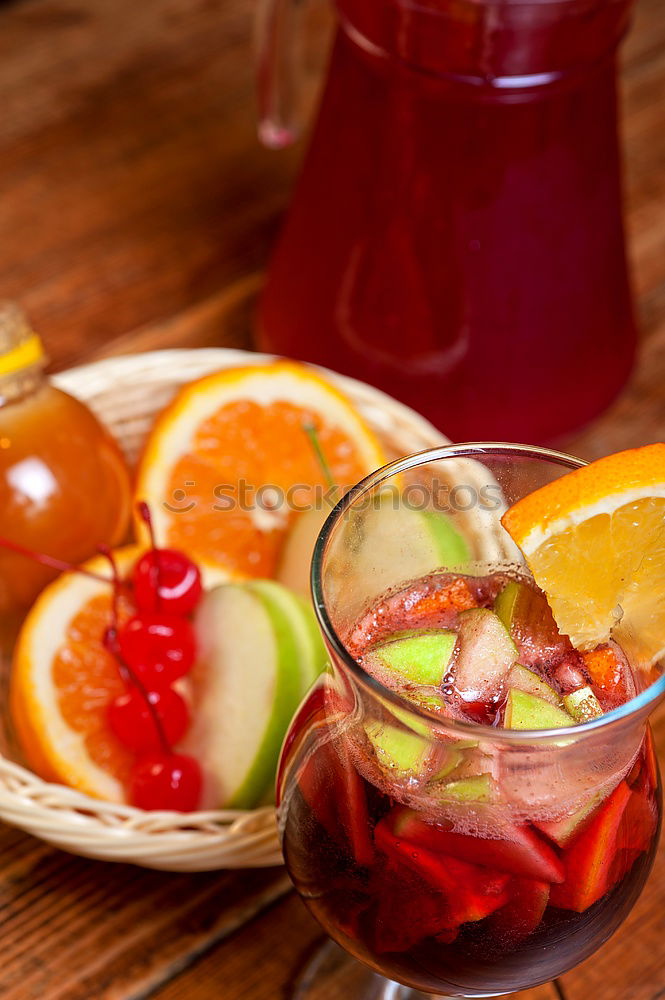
<point>434,858</point>
<point>456,234</point>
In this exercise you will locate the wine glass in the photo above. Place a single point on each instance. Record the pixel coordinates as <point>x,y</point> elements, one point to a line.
<point>450,857</point>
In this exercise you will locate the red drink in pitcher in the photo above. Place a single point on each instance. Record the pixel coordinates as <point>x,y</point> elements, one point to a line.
<point>456,237</point>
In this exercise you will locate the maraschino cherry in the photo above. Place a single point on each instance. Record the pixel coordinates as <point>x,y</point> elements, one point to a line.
<point>160,647</point>
<point>166,781</point>
<point>132,718</point>
<point>149,722</point>
<point>165,579</point>
<point>154,648</point>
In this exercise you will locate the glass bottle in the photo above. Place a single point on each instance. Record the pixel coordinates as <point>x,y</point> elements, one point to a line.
<point>64,485</point>
<point>456,234</point>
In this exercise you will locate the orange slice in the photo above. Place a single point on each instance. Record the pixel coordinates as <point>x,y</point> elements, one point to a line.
<point>595,542</point>
<point>229,459</point>
<point>63,680</point>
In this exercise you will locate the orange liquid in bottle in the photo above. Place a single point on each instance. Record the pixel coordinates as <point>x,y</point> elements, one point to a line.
<point>64,486</point>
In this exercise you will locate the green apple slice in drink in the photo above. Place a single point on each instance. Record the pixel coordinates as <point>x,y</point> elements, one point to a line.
<point>528,711</point>
<point>418,657</point>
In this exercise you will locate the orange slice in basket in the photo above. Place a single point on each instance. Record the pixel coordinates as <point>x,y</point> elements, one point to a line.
<point>230,459</point>
<point>595,542</point>
<point>63,680</point>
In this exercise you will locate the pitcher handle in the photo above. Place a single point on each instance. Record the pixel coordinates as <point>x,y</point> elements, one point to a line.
<point>278,67</point>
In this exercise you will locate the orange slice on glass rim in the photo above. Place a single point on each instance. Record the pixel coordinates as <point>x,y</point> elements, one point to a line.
<point>594,540</point>
<point>63,680</point>
<point>229,462</point>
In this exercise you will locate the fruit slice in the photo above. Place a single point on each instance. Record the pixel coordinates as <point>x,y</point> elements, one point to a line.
<point>563,831</point>
<point>478,788</point>
<point>312,656</point>
<point>334,791</point>
<point>526,614</point>
<point>405,910</point>
<point>246,686</point>
<point>63,681</point>
<point>521,852</point>
<point>607,671</point>
<point>486,654</point>
<point>398,750</point>
<point>639,823</point>
<point>526,680</point>
<point>588,862</point>
<point>523,912</point>
<point>444,597</point>
<point>527,711</point>
<point>293,568</point>
<point>470,892</point>
<point>229,459</point>
<point>387,533</point>
<point>593,541</point>
<point>650,760</point>
<point>582,705</point>
<point>446,760</point>
<point>418,657</point>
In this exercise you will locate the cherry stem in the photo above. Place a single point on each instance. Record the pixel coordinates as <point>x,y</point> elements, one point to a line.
<point>145,515</point>
<point>313,435</point>
<point>111,642</point>
<point>51,561</point>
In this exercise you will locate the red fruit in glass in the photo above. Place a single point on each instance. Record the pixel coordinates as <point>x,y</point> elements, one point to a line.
<point>456,237</point>
<point>446,914</point>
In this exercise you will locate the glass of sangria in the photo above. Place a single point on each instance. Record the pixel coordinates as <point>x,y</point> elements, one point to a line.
<point>469,800</point>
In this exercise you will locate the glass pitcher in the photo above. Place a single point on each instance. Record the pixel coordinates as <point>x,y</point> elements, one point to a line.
<point>456,235</point>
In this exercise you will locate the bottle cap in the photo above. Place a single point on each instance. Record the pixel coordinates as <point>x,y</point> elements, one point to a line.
<point>20,346</point>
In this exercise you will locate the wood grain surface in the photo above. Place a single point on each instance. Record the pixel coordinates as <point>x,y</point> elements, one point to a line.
<point>137,211</point>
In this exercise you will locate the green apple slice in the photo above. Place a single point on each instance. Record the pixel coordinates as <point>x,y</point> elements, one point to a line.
<point>296,557</point>
<point>563,831</point>
<point>475,789</point>
<point>528,711</point>
<point>448,759</point>
<point>486,654</point>
<point>583,705</point>
<point>452,549</point>
<point>398,750</point>
<point>526,680</point>
<point>247,685</point>
<point>388,534</point>
<point>312,656</point>
<point>416,657</point>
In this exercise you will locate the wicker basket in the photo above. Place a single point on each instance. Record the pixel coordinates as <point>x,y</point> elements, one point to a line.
<point>127,393</point>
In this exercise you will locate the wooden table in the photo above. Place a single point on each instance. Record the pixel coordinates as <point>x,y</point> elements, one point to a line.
<point>136,211</point>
